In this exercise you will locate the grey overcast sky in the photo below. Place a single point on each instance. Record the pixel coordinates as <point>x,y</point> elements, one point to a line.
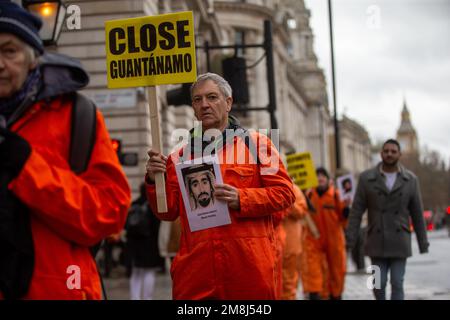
<point>386,50</point>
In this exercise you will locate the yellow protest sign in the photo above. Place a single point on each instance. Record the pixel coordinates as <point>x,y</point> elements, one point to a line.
<point>301,168</point>
<point>149,51</point>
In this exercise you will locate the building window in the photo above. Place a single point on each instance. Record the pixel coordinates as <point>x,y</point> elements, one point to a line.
<point>239,38</point>
<point>290,49</point>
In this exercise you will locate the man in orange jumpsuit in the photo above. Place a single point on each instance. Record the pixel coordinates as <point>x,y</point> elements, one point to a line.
<point>328,251</point>
<point>236,260</point>
<point>50,216</point>
<point>310,230</point>
<point>293,244</point>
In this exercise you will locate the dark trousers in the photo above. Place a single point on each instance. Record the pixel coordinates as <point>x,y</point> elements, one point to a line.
<point>108,259</point>
<point>397,268</point>
<point>447,222</point>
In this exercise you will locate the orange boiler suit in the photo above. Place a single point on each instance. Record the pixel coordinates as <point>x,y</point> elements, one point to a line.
<point>324,263</point>
<point>279,241</point>
<point>235,261</point>
<point>68,212</point>
<point>293,244</point>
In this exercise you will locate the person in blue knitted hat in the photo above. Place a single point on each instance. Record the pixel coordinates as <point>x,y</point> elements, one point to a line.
<point>19,30</point>
<point>21,23</point>
<point>53,207</point>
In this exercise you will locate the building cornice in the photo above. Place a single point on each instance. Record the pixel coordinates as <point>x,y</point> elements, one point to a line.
<point>299,78</point>
<point>356,129</point>
<point>244,7</point>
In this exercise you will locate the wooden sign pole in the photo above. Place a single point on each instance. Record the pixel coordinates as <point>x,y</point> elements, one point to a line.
<point>312,226</point>
<point>160,180</point>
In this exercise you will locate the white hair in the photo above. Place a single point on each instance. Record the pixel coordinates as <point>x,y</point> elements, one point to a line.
<point>223,84</point>
<point>32,55</point>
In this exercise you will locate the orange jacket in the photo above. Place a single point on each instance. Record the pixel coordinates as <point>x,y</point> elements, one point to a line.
<point>328,216</point>
<point>234,261</point>
<point>69,213</point>
<point>292,245</point>
<point>324,258</point>
<point>292,225</point>
<point>279,242</point>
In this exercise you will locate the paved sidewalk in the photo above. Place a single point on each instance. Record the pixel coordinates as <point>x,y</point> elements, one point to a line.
<point>117,286</point>
<point>427,277</point>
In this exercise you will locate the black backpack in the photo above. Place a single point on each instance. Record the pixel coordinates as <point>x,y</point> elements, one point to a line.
<point>82,139</point>
<point>83,132</point>
<point>17,265</point>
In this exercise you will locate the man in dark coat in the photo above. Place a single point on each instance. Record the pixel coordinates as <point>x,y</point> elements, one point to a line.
<point>391,194</point>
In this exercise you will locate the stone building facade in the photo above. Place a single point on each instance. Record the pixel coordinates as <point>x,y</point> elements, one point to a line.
<point>302,104</point>
<point>355,144</point>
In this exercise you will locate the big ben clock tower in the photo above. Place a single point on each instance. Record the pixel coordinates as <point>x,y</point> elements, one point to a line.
<point>406,134</point>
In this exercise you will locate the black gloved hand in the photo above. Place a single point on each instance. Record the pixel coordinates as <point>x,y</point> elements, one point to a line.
<point>14,152</point>
<point>423,247</point>
<point>16,246</point>
<point>346,212</point>
<point>16,241</point>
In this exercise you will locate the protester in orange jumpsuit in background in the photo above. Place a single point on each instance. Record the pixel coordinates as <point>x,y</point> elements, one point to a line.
<point>330,217</point>
<point>279,242</point>
<point>292,245</point>
<point>309,229</point>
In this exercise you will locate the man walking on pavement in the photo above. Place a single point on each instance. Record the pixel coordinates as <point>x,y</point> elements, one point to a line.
<point>50,215</point>
<point>237,260</point>
<point>391,194</point>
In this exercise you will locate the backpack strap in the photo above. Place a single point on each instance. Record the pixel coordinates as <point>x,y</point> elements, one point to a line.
<point>251,146</point>
<point>82,140</point>
<point>83,132</point>
<point>242,134</point>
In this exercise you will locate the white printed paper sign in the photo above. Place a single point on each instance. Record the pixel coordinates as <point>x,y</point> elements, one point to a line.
<point>197,178</point>
<point>346,186</point>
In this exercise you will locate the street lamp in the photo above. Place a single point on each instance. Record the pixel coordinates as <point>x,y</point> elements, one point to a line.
<point>336,123</point>
<point>52,13</point>
<point>291,23</point>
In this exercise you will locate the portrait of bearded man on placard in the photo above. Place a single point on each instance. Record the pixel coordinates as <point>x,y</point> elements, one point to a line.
<point>199,182</point>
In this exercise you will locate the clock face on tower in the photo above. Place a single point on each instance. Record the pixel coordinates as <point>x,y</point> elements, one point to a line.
<point>403,143</point>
